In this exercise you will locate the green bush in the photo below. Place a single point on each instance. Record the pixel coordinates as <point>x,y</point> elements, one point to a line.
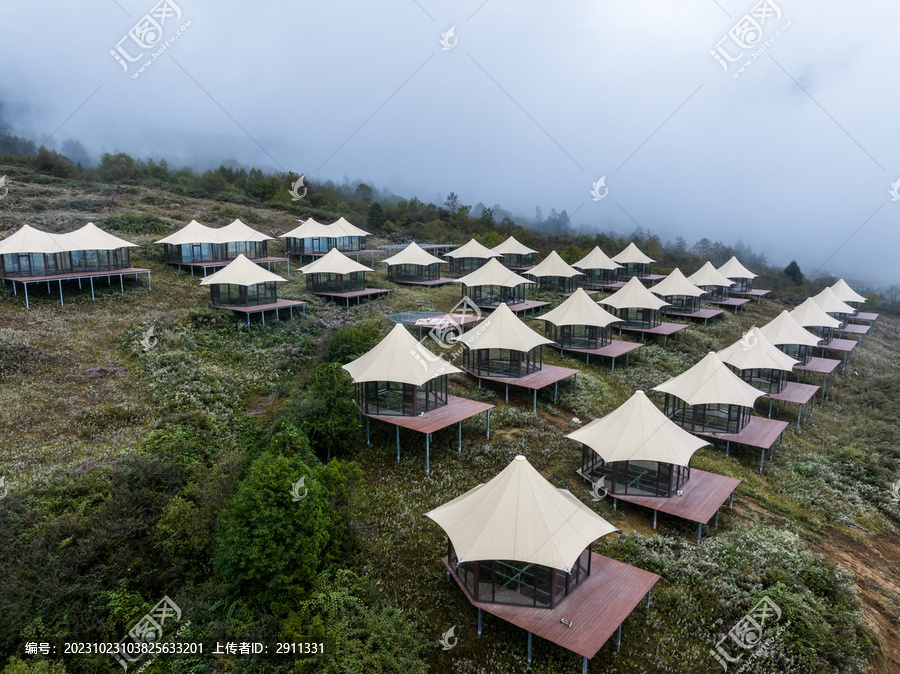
<point>132,222</point>
<point>352,341</point>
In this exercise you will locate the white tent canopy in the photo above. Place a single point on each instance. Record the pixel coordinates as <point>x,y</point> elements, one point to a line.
<point>519,516</point>
<point>676,284</point>
<point>845,293</point>
<point>710,382</point>
<point>30,240</point>
<point>472,249</point>
<point>394,359</point>
<point>733,269</point>
<point>830,303</point>
<point>503,330</point>
<point>754,352</point>
<point>553,265</point>
<point>811,315</point>
<point>512,247</point>
<point>632,255</point>
<point>708,275</point>
<point>633,295</point>
<point>638,431</point>
<point>784,329</point>
<point>413,254</point>
<point>241,272</point>
<point>596,259</point>
<point>579,309</point>
<point>238,231</point>
<point>493,273</point>
<point>333,262</point>
<point>193,232</point>
<point>310,229</point>
<point>342,227</point>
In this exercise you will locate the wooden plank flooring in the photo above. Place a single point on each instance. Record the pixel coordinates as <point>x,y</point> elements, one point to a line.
<point>548,374</point>
<point>256,308</point>
<point>794,392</point>
<point>76,275</point>
<point>456,410</point>
<point>664,329</point>
<point>595,608</point>
<point>614,349</point>
<point>442,281</point>
<point>699,315</point>
<point>819,365</point>
<point>759,432</point>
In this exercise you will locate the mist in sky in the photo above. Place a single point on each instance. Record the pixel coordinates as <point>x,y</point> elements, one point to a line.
<point>770,122</point>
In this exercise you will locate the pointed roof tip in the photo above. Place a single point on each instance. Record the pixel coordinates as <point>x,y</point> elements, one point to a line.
<point>845,293</point>
<point>831,303</point>
<point>785,330</point>
<point>503,330</point>
<point>413,254</point>
<point>810,315</point>
<point>708,275</point>
<point>519,457</point>
<point>494,273</point>
<point>553,265</point>
<point>632,255</point>
<point>676,284</point>
<point>472,249</point>
<point>710,382</point>
<point>579,309</point>
<point>634,295</point>
<point>512,247</point>
<point>241,271</point>
<point>733,269</point>
<point>334,262</point>
<point>596,259</point>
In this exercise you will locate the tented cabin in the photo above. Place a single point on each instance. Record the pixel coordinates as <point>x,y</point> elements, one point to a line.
<point>502,347</point>
<point>634,262</point>
<point>636,306</point>
<point>313,239</point>
<point>555,274</point>
<point>493,285</point>
<point>637,450</point>
<point>598,269</point>
<point>245,287</point>
<point>711,282</point>
<point>759,362</point>
<point>847,294</point>
<point>709,398</point>
<point>682,296</point>
<point>817,321</point>
<point>400,377</point>
<point>336,276</point>
<point>520,549</point>
<point>741,277</point>
<point>469,257</point>
<point>790,337</point>
<point>415,266</point>
<point>579,324</point>
<point>834,307</point>
<point>531,550</point>
<point>196,245</point>
<point>515,255</point>
<point>32,256</point>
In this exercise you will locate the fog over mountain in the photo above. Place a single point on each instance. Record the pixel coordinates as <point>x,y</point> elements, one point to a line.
<point>522,104</point>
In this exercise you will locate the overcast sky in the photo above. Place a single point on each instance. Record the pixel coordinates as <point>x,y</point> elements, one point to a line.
<point>523,105</point>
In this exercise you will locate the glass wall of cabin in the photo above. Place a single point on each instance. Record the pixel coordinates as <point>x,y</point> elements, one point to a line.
<point>637,478</point>
<point>824,334</point>
<point>638,318</point>
<point>511,261</point>
<point>466,265</point>
<point>638,269</point>
<point>741,285</point>
<point>519,583</point>
<point>599,277</point>
<point>681,305</point>
<point>397,398</point>
<point>710,418</point>
<point>558,283</point>
<point>765,379</point>
<point>578,336</point>
<point>715,293</point>
<point>801,352</point>
<point>494,296</point>
<point>25,265</point>
<point>230,295</point>
<point>335,283</point>
<point>412,273</point>
<point>505,363</point>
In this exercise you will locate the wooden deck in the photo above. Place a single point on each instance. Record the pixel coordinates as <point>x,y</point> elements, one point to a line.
<point>216,264</point>
<point>797,393</point>
<point>548,374</point>
<point>841,345</point>
<point>612,350</point>
<point>827,367</point>
<point>759,294</point>
<point>759,433</point>
<point>732,302</point>
<point>701,497</point>
<point>664,329</point>
<point>357,294</point>
<point>455,411</point>
<point>595,609</point>
<point>442,281</point>
<point>76,276</point>
<point>856,329</point>
<point>865,316</point>
<point>263,308</point>
<point>519,308</point>
<point>699,315</point>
